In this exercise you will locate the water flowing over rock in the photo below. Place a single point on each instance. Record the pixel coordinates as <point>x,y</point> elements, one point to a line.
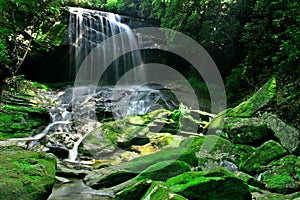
<point>89,28</point>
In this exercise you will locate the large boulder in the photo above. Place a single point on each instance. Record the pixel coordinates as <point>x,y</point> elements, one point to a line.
<point>245,130</point>
<point>288,136</point>
<point>213,184</point>
<point>168,154</point>
<point>282,178</point>
<point>26,174</point>
<point>263,155</point>
<point>147,167</point>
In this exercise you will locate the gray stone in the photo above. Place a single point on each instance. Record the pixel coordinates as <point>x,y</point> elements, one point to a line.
<point>288,136</point>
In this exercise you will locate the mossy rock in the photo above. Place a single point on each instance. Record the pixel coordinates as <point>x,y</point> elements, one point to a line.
<point>159,190</point>
<point>135,191</point>
<point>274,196</point>
<point>213,184</point>
<point>241,152</point>
<point>283,176</point>
<point>288,136</point>
<point>259,100</point>
<point>250,180</point>
<point>207,144</point>
<point>20,121</point>
<point>26,174</point>
<point>163,170</point>
<point>263,155</point>
<point>245,130</point>
<point>168,154</point>
<point>217,122</point>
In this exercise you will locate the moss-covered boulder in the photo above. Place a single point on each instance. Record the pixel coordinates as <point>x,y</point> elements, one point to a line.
<point>287,135</point>
<point>245,130</point>
<point>282,178</point>
<point>18,121</point>
<point>168,154</point>
<point>136,191</point>
<point>263,155</point>
<point>26,174</point>
<point>148,166</point>
<point>163,170</point>
<point>209,144</point>
<point>213,184</point>
<point>259,100</point>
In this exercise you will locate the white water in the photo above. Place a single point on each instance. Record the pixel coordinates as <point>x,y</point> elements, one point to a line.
<point>87,30</point>
<point>77,106</point>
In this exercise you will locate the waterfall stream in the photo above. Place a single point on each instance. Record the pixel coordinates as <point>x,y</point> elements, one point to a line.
<point>79,109</point>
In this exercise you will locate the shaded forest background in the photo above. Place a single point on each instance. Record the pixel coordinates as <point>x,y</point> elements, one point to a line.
<point>250,40</point>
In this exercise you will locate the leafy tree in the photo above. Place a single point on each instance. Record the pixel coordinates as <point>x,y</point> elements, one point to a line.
<point>271,43</point>
<point>22,21</point>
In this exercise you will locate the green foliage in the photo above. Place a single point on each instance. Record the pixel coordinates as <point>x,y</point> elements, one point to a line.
<point>271,43</point>
<point>21,23</point>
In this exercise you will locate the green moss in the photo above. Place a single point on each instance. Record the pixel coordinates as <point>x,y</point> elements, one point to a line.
<point>263,155</point>
<point>245,130</point>
<point>40,86</point>
<point>20,121</point>
<point>167,154</point>
<point>135,191</point>
<point>280,178</point>
<point>26,109</point>
<point>163,170</point>
<point>260,99</point>
<point>209,144</point>
<point>214,184</point>
<point>25,174</point>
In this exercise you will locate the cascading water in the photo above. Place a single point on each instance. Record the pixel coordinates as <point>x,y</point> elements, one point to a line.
<point>87,30</point>
<point>79,109</point>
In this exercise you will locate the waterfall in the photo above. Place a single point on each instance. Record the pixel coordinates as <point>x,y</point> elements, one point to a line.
<point>87,30</point>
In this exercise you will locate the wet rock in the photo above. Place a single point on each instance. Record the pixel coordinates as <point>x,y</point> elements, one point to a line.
<point>250,180</point>
<point>259,100</point>
<point>263,155</point>
<point>72,170</point>
<point>288,136</point>
<point>26,174</point>
<point>77,190</point>
<point>213,184</point>
<point>108,177</point>
<point>57,149</point>
<point>245,130</point>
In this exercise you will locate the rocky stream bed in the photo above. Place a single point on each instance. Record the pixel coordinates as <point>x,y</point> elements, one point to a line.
<point>166,151</point>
